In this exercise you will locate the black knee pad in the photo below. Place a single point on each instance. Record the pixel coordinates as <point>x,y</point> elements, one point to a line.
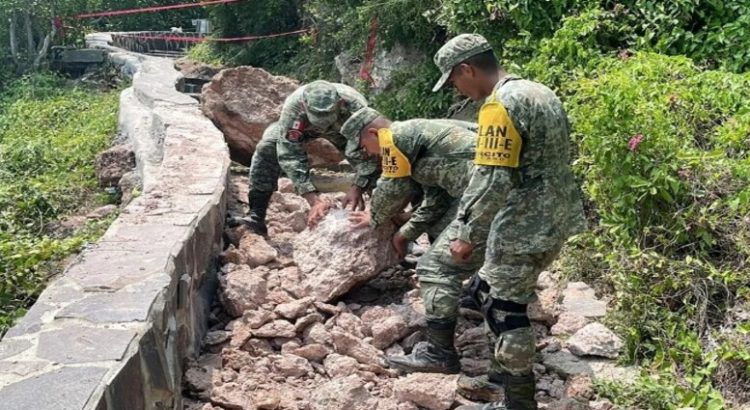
<point>515,319</point>
<point>477,286</point>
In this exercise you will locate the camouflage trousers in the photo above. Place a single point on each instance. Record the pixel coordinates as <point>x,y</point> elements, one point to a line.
<point>264,168</point>
<point>503,286</point>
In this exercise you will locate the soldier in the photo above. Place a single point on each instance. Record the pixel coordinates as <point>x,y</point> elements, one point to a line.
<point>438,156</point>
<point>523,189</point>
<point>315,110</point>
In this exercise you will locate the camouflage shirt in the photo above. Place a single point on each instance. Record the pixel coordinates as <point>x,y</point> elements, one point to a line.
<point>536,205</point>
<point>441,154</point>
<point>291,152</point>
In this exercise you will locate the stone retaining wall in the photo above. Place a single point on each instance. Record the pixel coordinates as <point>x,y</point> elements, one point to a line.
<point>113,330</point>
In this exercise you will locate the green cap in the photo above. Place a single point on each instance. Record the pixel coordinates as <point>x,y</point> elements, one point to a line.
<point>321,98</point>
<point>352,128</point>
<point>456,51</point>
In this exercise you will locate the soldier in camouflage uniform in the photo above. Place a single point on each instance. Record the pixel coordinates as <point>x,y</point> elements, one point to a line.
<point>315,110</point>
<point>523,189</point>
<point>436,155</point>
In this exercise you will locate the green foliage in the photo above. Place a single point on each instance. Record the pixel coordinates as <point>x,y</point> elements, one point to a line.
<point>672,238</point>
<point>411,95</point>
<point>50,134</point>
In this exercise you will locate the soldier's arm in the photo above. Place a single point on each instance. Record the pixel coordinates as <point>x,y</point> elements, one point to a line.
<point>366,172</point>
<point>435,204</point>
<point>488,188</point>
<point>490,185</point>
<point>389,199</point>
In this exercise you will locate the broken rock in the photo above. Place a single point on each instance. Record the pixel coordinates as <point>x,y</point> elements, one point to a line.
<point>431,390</point>
<point>242,289</point>
<point>348,393</point>
<point>242,102</point>
<point>333,258</point>
<point>580,299</point>
<point>295,309</point>
<point>595,340</point>
<point>337,365</point>
<point>290,365</point>
<point>568,323</point>
<point>275,329</point>
<point>349,345</point>
<point>255,251</point>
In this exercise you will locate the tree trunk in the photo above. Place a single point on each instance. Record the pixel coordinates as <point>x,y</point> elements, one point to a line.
<point>45,46</point>
<point>13,38</point>
<point>30,46</point>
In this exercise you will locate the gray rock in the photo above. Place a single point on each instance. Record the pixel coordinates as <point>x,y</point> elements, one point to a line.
<point>566,364</point>
<point>66,388</point>
<point>595,340</point>
<point>568,323</point>
<point>580,299</point>
<point>431,390</point>
<point>78,344</point>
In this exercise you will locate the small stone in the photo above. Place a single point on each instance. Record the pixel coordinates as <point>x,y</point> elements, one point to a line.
<point>230,396</point>
<point>286,185</point>
<point>580,299</point>
<point>256,251</point>
<point>580,387</point>
<point>295,309</point>
<point>431,390</point>
<point>387,331</point>
<point>546,308</point>
<point>567,404</point>
<point>348,393</point>
<point>337,365</point>
<point>547,280</point>
<point>216,337</point>
<point>313,352</point>
<point>568,323</point>
<point>267,400</point>
<point>304,322</point>
<point>350,345</point>
<point>242,289</point>
<point>351,324</point>
<point>595,340</point>
<point>290,365</point>
<point>326,308</point>
<point>277,328</point>
<point>317,333</point>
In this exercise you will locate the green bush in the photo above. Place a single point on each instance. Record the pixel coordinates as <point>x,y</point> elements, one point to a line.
<point>663,156</point>
<point>50,134</point>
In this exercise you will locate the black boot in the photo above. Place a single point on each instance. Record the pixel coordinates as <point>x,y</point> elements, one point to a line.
<point>436,355</point>
<point>519,395</point>
<point>256,218</point>
<point>488,387</point>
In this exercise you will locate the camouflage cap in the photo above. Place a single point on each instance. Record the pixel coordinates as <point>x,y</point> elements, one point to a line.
<point>320,99</point>
<point>455,51</point>
<point>352,128</point>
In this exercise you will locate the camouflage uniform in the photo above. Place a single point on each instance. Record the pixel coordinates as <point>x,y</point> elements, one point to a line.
<point>439,157</point>
<point>523,189</point>
<point>315,110</point>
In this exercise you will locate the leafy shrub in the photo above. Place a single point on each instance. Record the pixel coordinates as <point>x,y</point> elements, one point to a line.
<point>663,155</point>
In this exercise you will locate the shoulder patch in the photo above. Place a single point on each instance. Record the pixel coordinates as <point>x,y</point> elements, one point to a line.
<point>498,141</point>
<point>395,164</point>
<point>294,134</point>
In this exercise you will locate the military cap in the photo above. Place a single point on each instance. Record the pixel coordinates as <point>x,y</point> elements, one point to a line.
<point>455,51</point>
<point>320,99</point>
<point>352,128</point>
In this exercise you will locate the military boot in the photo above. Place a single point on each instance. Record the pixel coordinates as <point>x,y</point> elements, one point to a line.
<point>436,355</point>
<point>256,218</point>
<point>487,387</point>
<point>519,395</point>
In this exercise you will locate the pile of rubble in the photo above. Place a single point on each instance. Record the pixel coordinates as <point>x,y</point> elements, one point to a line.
<point>305,318</point>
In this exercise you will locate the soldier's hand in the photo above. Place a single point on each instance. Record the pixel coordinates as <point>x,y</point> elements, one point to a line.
<point>359,219</point>
<point>461,250</point>
<point>400,244</point>
<point>318,211</point>
<point>354,198</point>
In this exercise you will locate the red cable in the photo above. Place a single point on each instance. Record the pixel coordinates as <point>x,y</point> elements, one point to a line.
<point>152,9</point>
<point>187,39</point>
<point>372,39</point>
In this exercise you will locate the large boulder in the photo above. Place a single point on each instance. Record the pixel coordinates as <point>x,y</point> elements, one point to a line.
<point>243,101</point>
<point>333,258</point>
